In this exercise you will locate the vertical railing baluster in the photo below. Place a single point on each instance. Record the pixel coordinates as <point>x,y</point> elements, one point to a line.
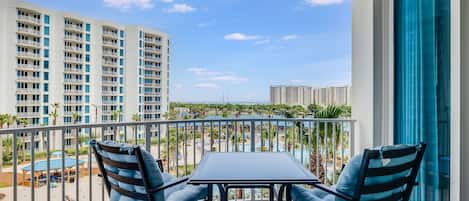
<point>177,149</point>
<point>168,138</point>
<point>148,138</point>
<point>203,140</point>
<point>326,149</point>
<point>310,149</point>
<point>211,135</point>
<point>253,136</point>
<point>235,136</point>
<point>185,148</point>
<point>285,134</point>
<point>125,134</point>
<point>244,135</point>
<point>219,136</point>
<point>15,168</point>
<point>333,151</point>
<point>77,164</point>
<point>341,144</point>
<point>318,140</point>
<point>269,136</point>
<point>262,137</point>
<point>351,138</point>
<point>102,180</point>
<point>293,137</point>
<point>159,140</point>
<point>48,163</point>
<point>63,164</point>
<point>90,168</point>
<point>301,141</point>
<point>194,146</point>
<point>33,175</point>
<point>277,134</point>
<point>227,135</point>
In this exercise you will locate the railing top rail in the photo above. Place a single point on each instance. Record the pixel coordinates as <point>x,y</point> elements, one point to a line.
<point>157,122</point>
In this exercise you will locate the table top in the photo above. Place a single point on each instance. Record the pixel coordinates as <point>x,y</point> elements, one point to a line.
<point>251,168</point>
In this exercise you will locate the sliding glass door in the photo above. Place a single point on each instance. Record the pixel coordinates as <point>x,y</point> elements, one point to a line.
<point>422,89</point>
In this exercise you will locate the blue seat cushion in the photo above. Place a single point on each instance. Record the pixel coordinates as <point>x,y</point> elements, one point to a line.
<point>299,193</point>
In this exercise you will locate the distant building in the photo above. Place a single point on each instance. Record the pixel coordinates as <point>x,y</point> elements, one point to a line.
<point>306,95</point>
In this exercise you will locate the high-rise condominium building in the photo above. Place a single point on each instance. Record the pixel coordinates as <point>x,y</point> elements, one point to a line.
<point>58,62</point>
<point>306,95</point>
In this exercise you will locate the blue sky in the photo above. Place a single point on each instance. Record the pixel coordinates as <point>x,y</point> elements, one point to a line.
<point>238,48</point>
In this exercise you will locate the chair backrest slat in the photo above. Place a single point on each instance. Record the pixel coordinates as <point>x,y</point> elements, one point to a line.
<point>127,180</point>
<point>398,180</point>
<point>114,150</point>
<point>374,172</point>
<point>378,188</point>
<point>134,195</point>
<point>121,165</point>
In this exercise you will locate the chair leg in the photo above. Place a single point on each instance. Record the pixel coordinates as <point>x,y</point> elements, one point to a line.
<point>271,192</point>
<point>280,193</point>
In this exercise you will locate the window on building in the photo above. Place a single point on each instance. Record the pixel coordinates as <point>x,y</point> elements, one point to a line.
<point>87,88</point>
<point>87,78</point>
<point>87,58</point>
<point>87,37</point>
<point>46,75</point>
<point>87,68</point>
<point>46,53</point>
<point>46,98</point>
<point>46,42</point>
<point>88,27</point>
<point>46,31</point>
<point>46,64</point>
<point>122,34</point>
<point>46,19</point>
<point>121,43</point>
<point>87,47</point>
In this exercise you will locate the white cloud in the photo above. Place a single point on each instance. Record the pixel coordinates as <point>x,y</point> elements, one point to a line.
<point>207,85</point>
<point>241,36</point>
<point>180,8</point>
<point>196,69</point>
<point>290,37</point>
<point>127,4</point>
<point>167,1</point>
<point>233,78</point>
<point>323,2</point>
<point>262,42</point>
<point>297,81</point>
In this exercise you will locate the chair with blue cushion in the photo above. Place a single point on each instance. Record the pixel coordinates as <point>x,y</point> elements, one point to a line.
<point>386,173</point>
<point>132,174</point>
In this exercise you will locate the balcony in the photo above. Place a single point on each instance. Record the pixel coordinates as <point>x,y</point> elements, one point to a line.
<point>29,19</point>
<point>73,49</point>
<point>28,114</point>
<point>152,50</point>
<point>152,41</point>
<point>110,93</point>
<point>28,67</point>
<point>28,79</point>
<point>75,60</point>
<point>109,102</point>
<point>29,31</point>
<point>110,73</point>
<point>110,63</point>
<point>74,28</point>
<point>29,43</point>
<point>110,44</point>
<point>73,38</point>
<point>152,76</point>
<point>27,102</point>
<point>28,55</point>
<point>191,140</point>
<point>152,85</point>
<point>110,34</point>
<point>73,81</point>
<point>109,83</point>
<point>27,91</point>
<point>73,102</point>
<point>110,54</point>
<point>73,70</point>
<point>152,59</point>
<point>73,92</point>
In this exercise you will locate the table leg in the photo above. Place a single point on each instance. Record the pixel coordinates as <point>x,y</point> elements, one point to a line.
<point>223,192</point>
<point>210,192</point>
<point>271,192</point>
<point>288,192</point>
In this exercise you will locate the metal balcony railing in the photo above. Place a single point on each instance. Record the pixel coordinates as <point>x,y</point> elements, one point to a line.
<point>29,19</point>
<point>321,145</point>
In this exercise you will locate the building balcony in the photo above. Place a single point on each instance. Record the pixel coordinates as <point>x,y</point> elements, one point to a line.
<point>27,67</point>
<point>29,55</point>
<point>73,81</point>
<point>110,93</point>
<point>110,44</point>
<point>109,83</point>
<point>152,41</point>
<point>73,92</point>
<point>109,102</point>
<point>73,102</point>
<point>110,54</point>
<point>73,70</point>
<point>152,50</point>
<point>152,59</point>
<point>27,91</point>
<point>110,34</point>
<point>74,28</point>
<point>28,114</point>
<point>110,73</point>
<point>28,102</point>
<point>152,85</point>
<point>73,38</point>
<point>29,19</point>
<point>28,43</point>
<point>29,31</point>
<point>73,49</point>
<point>152,76</point>
<point>28,79</point>
<point>109,63</point>
<point>75,60</point>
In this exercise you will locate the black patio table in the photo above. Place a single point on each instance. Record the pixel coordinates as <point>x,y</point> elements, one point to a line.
<point>250,170</point>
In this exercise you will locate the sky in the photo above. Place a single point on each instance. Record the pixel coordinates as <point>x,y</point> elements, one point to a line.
<point>234,50</point>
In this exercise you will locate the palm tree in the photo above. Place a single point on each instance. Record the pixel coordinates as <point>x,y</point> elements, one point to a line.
<point>76,117</point>
<point>54,115</point>
<point>136,117</point>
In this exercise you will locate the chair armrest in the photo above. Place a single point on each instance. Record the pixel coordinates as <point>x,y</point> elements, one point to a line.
<point>160,164</point>
<point>333,191</point>
<point>169,184</point>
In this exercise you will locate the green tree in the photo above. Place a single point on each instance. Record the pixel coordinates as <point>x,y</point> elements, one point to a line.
<point>54,115</point>
<point>3,121</point>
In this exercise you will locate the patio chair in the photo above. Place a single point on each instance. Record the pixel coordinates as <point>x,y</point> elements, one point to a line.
<point>131,173</point>
<point>387,173</point>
